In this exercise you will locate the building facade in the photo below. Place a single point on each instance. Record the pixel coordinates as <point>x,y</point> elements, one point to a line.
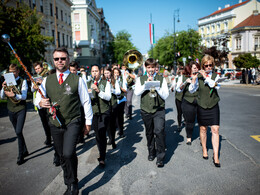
<point>215,29</point>
<point>91,33</point>
<point>246,36</point>
<point>59,28</point>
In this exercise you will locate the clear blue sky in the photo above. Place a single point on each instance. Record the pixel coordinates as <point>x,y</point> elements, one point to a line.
<point>134,16</point>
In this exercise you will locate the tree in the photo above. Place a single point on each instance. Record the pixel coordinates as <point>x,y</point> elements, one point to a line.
<point>246,61</point>
<point>24,27</point>
<point>121,45</point>
<point>187,44</point>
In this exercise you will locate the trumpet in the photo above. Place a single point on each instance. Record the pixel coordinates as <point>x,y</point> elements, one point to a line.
<point>14,89</point>
<point>152,92</point>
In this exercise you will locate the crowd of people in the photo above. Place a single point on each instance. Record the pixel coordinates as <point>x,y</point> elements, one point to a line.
<point>71,104</point>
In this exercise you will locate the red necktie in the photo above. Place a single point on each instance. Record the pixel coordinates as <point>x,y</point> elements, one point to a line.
<point>60,79</point>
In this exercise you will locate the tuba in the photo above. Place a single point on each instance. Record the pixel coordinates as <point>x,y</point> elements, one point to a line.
<point>14,89</point>
<point>46,68</point>
<point>133,59</point>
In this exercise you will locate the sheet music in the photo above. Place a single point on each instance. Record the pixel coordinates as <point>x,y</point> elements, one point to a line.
<point>10,80</point>
<point>221,79</point>
<point>150,84</point>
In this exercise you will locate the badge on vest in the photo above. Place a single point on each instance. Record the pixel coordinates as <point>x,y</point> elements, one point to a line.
<point>67,89</point>
<point>102,87</point>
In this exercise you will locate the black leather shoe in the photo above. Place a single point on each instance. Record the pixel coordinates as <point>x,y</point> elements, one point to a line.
<point>188,143</point>
<point>48,142</point>
<point>74,190</point>
<point>216,164</point>
<point>20,160</point>
<point>114,146</point>
<point>25,154</point>
<point>56,160</point>
<point>151,157</point>
<point>160,164</point>
<point>205,157</point>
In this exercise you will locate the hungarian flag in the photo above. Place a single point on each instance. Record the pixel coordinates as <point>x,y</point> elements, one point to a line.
<point>151,32</point>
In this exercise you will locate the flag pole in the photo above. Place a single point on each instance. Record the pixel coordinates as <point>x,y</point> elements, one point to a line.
<point>151,34</point>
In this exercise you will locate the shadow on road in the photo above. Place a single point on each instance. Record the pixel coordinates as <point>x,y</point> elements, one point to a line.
<point>8,140</point>
<point>40,154</point>
<point>116,159</point>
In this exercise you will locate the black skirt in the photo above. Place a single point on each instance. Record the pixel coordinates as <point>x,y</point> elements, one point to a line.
<point>208,117</point>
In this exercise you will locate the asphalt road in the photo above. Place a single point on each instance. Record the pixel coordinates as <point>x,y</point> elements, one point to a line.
<point>127,169</point>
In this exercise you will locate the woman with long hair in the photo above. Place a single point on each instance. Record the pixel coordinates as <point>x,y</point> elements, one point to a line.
<point>208,108</point>
<point>189,101</point>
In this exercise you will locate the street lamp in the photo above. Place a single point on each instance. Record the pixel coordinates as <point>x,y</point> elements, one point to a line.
<point>175,13</point>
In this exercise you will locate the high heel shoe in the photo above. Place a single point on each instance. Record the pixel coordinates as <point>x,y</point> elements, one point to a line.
<point>216,164</point>
<point>205,157</point>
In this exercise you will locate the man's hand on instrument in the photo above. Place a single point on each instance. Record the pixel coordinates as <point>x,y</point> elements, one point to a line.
<point>10,93</point>
<point>4,84</point>
<point>45,103</point>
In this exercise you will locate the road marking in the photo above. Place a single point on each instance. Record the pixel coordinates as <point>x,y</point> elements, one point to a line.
<point>256,95</point>
<point>256,137</point>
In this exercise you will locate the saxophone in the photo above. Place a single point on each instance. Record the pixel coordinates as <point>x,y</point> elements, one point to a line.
<point>14,89</point>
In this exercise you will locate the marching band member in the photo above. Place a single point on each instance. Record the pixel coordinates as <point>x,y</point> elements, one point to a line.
<point>101,95</point>
<point>189,101</point>
<point>178,96</point>
<point>65,93</point>
<point>121,99</point>
<point>153,112</point>
<point>208,108</point>
<point>17,110</point>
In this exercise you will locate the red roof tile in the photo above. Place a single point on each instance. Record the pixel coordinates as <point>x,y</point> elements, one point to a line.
<point>226,9</point>
<point>253,20</point>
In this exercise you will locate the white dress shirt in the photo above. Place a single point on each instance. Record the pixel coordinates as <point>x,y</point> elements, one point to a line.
<point>211,83</point>
<point>162,91</point>
<point>23,94</point>
<point>83,95</point>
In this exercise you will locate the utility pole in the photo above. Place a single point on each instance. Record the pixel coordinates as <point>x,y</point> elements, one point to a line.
<point>175,13</point>
<point>55,24</point>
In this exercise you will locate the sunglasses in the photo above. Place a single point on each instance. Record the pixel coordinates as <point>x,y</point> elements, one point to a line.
<point>206,66</point>
<point>57,59</point>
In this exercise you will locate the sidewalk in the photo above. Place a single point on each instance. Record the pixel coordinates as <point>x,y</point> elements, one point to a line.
<point>236,83</point>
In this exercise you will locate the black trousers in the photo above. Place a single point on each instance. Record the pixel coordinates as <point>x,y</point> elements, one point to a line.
<point>179,111</point>
<point>128,103</point>
<point>120,117</point>
<point>45,120</point>
<point>65,141</point>
<point>189,112</point>
<point>154,126</point>
<point>17,119</point>
<point>100,124</point>
<point>111,130</point>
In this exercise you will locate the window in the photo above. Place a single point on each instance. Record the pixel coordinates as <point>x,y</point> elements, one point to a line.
<point>57,13</point>
<point>51,13</point>
<point>69,19</point>
<point>70,41</point>
<point>257,42</point>
<point>77,35</point>
<point>218,27</point>
<point>61,15</point>
<point>213,29</point>
<point>208,30</point>
<point>65,18</point>
<point>76,17</point>
<point>34,3</point>
<point>53,35</point>
<point>225,26</point>
<point>63,39</point>
<point>41,5</point>
<point>238,43</point>
<point>67,40</point>
<point>58,39</point>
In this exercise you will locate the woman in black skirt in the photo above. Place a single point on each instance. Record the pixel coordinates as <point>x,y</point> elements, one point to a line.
<point>189,101</point>
<point>208,108</point>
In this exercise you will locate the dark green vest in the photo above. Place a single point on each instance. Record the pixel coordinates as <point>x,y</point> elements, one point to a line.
<point>19,106</point>
<point>179,95</point>
<point>67,97</point>
<point>190,97</point>
<point>121,85</point>
<point>205,98</point>
<point>149,104</point>
<point>99,105</point>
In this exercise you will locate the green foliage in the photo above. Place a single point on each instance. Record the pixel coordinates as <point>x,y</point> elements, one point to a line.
<point>23,25</point>
<point>186,42</point>
<point>246,61</point>
<point>121,45</point>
